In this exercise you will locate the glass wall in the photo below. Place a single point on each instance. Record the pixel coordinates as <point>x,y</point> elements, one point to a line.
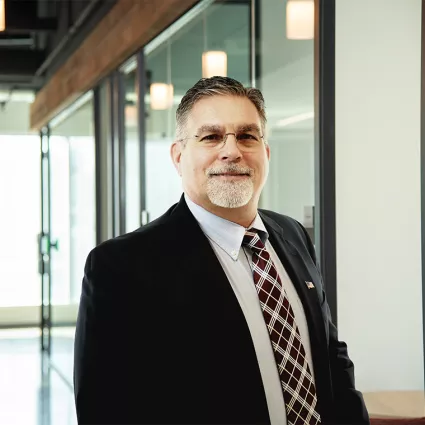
<point>20,218</point>
<point>72,153</point>
<point>73,220</point>
<point>174,63</point>
<point>286,78</point>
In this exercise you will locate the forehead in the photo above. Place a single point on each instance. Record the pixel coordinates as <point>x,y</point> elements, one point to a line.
<point>227,111</point>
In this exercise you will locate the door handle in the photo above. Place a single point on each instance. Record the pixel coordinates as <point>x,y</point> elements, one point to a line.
<point>54,244</point>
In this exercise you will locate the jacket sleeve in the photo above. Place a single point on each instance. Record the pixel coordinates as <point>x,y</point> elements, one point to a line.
<point>349,406</point>
<point>100,376</point>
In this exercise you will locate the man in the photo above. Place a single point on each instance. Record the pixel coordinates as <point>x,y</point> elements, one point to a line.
<point>214,313</point>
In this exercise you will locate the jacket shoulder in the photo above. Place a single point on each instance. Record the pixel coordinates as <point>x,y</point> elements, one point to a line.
<point>145,239</point>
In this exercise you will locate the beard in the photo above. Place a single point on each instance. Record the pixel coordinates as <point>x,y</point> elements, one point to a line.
<point>228,193</point>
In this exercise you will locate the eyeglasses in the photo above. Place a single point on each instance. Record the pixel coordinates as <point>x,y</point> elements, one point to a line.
<point>246,142</point>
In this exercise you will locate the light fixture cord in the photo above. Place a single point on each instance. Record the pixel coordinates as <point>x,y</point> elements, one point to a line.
<point>205,31</point>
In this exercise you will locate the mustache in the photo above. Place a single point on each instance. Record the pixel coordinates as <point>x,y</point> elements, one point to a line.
<point>234,169</point>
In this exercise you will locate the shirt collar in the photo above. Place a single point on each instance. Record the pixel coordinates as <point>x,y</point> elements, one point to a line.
<point>226,234</point>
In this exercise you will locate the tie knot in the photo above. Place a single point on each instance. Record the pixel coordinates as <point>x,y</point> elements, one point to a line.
<point>252,240</point>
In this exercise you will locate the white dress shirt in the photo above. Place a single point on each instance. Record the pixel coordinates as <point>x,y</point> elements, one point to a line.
<point>226,238</point>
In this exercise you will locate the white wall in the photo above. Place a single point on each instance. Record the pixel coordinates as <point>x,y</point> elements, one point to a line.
<point>378,56</point>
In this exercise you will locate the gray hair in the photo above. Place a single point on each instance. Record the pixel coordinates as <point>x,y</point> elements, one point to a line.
<point>217,86</point>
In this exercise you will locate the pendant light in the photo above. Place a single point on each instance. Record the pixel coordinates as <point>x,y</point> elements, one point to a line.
<point>161,94</point>
<point>2,15</point>
<point>300,19</point>
<point>214,62</point>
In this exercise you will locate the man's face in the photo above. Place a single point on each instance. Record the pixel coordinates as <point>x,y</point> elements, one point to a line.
<point>231,174</point>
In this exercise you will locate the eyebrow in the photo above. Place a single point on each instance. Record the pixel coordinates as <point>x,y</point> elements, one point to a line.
<point>208,128</point>
<point>248,127</point>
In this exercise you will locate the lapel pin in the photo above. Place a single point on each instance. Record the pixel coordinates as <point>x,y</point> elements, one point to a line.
<point>309,285</point>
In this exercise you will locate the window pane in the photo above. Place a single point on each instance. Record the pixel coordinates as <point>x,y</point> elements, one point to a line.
<point>20,220</point>
<point>287,82</point>
<point>73,202</point>
<point>60,219</point>
<point>73,217</point>
<point>82,208</point>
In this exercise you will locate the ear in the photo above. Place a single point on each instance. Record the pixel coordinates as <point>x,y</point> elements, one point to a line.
<point>176,153</point>
<point>268,151</point>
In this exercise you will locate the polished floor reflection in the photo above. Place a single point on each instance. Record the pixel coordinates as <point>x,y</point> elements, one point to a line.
<point>32,393</point>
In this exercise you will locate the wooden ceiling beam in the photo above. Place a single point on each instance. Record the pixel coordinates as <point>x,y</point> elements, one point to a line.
<point>129,25</point>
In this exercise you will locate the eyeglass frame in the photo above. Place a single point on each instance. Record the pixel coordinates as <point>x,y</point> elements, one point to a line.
<point>224,140</point>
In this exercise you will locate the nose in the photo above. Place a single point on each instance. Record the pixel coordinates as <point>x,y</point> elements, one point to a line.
<point>230,150</point>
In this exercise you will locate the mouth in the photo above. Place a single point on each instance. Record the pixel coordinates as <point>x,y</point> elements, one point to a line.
<point>231,175</point>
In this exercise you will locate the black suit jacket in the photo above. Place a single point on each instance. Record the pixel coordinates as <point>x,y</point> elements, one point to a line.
<point>161,338</point>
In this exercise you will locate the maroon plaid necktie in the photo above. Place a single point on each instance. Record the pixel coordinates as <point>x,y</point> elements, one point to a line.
<point>299,391</point>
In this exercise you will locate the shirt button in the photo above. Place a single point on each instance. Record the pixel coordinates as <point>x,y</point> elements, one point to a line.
<point>233,253</point>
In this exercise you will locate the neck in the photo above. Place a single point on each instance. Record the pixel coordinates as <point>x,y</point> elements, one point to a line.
<point>244,216</point>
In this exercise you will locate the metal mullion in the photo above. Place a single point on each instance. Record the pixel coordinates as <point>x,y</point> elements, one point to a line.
<point>141,83</point>
<point>115,153</point>
<point>49,251</point>
<point>254,42</point>
<point>44,241</point>
<point>324,139</point>
<point>98,176</point>
<point>41,237</point>
<point>120,116</point>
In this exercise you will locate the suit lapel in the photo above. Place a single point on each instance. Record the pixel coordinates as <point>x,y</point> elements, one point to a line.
<point>300,276</point>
